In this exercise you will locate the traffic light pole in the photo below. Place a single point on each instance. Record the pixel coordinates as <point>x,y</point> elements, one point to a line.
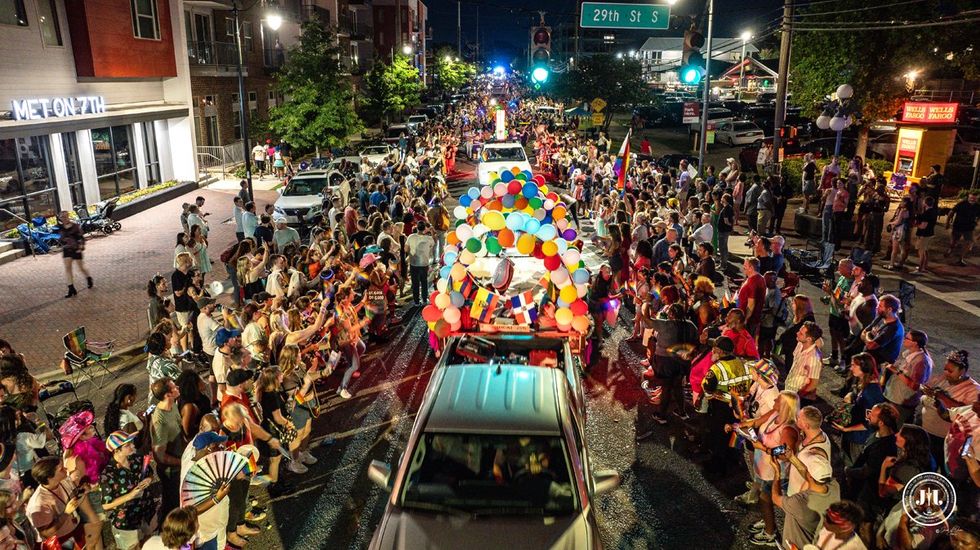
<point>703,138</point>
<point>782,79</point>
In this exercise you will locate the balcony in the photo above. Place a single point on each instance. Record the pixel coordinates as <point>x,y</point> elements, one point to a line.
<point>214,58</point>
<point>345,24</point>
<point>311,11</point>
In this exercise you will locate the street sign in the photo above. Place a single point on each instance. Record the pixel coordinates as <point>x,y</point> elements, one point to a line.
<point>691,113</point>
<point>608,15</point>
<point>598,104</point>
<point>598,119</point>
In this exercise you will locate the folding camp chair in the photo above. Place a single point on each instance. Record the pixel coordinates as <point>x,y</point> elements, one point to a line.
<point>87,358</point>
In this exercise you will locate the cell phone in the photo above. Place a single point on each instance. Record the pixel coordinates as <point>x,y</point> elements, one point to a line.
<point>778,451</point>
<point>147,460</point>
<point>150,409</point>
<point>967,447</point>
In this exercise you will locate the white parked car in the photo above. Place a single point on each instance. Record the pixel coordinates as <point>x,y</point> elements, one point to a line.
<point>416,122</point>
<point>738,133</point>
<point>496,157</point>
<point>376,153</point>
<point>302,199</point>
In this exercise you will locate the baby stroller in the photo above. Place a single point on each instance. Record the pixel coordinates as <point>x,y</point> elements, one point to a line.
<point>101,220</point>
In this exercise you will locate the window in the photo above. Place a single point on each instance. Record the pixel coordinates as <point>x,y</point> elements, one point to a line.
<point>12,12</point>
<point>253,97</point>
<point>246,33</point>
<point>70,146</point>
<point>47,16</point>
<point>114,160</point>
<point>26,186</point>
<point>236,124</point>
<point>272,99</point>
<point>145,22</point>
<point>152,158</point>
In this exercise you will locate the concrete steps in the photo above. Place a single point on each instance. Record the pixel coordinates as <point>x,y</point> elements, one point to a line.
<point>8,253</point>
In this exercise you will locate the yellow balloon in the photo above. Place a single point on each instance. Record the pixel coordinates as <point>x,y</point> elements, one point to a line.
<point>466,257</point>
<point>525,244</point>
<point>568,295</point>
<point>494,220</point>
<point>549,248</point>
<point>457,272</point>
<point>544,189</point>
<point>564,316</point>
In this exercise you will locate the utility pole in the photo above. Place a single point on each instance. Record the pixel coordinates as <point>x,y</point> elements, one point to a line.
<point>398,29</point>
<point>782,79</point>
<point>703,149</point>
<point>578,21</point>
<point>478,52</point>
<point>459,33</point>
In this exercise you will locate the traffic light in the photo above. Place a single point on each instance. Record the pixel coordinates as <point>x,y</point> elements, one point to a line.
<point>540,45</point>
<point>692,62</point>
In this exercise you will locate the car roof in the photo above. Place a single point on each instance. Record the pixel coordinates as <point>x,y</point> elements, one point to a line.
<point>478,398</point>
<point>502,144</point>
<point>310,174</point>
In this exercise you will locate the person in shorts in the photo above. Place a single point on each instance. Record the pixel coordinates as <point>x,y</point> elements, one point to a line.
<point>963,218</point>
<point>72,241</point>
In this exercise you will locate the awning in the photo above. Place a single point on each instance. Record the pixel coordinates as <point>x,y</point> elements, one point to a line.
<point>117,116</point>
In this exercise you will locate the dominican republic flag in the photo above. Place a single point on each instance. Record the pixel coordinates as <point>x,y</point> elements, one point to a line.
<point>622,165</point>
<point>484,305</point>
<point>524,309</point>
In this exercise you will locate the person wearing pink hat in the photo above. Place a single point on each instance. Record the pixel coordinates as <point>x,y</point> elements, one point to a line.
<point>78,436</point>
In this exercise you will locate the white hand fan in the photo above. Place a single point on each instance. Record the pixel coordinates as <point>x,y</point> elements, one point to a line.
<point>209,474</point>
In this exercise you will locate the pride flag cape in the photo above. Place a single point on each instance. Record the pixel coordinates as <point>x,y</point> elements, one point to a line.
<point>622,165</point>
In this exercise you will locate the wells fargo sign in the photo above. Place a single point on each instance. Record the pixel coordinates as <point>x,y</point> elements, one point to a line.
<point>930,113</point>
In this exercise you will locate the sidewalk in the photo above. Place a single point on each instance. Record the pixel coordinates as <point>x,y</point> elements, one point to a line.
<point>34,316</point>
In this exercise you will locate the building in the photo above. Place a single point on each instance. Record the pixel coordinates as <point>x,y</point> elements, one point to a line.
<point>661,56</point>
<point>94,102</point>
<point>402,34</point>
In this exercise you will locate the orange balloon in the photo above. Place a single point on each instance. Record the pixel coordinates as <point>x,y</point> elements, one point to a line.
<point>515,170</point>
<point>451,237</point>
<point>494,205</point>
<point>520,204</point>
<point>558,213</point>
<point>506,238</point>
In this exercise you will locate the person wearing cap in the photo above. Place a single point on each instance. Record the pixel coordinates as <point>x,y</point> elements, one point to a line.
<point>285,235</point>
<point>238,392</point>
<point>212,513</point>
<point>727,373</point>
<point>225,340</point>
<point>122,483</point>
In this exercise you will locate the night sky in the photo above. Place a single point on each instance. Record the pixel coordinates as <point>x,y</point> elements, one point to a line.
<point>504,24</point>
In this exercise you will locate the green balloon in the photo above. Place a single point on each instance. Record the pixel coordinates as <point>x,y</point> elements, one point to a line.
<point>521,176</point>
<point>493,245</point>
<point>535,203</point>
<point>473,245</point>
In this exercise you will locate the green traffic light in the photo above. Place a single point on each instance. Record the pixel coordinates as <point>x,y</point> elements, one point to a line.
<point>539,74</point>
<point>691,74</point>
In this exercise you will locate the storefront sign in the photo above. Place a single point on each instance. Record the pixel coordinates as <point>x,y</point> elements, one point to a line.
<point>930,113</point>
<point>36,109</point>
<point>692,112</point>
<point>908,142</point>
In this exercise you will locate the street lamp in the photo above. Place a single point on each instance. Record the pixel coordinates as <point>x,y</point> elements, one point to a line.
<point>447,59</point>
<point>837,112</point>
<point>407,50</point>
<point>273,20</point>
<point>619,55</point>
<point>910,79</point>
<point>746,35</point>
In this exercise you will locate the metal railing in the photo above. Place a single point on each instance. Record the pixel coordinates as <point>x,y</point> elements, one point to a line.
<point>951,96</point>
<point>212,159</point>
<point>212,53</point>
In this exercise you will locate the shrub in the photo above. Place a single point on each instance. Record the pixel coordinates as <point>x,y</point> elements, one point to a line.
<point>793,169</point>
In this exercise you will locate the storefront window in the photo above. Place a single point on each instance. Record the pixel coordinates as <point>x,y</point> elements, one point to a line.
<point>12,12</point>
<point>47,12</point>
<point>152,158</point>
<point>75,187</point>
<point>113,160</point>
<point>26,186</point>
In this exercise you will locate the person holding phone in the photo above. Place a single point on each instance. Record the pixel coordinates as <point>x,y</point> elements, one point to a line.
<point>124,498</point>
<point>51,509</point>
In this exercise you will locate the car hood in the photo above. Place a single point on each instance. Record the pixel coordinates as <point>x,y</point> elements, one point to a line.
<point>484,168</point>
<point>403,530</point>
<point>300,201</point>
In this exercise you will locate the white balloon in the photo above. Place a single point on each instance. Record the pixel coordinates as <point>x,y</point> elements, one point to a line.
<point>571,256</point>
<point>845,91</point>
<point>441,285</point>
<point>582,289</point>
<point>480,230</point>
<point>463,233</point>
<point>460,212</point>
<point>559,276</point>
<point>562,246</point>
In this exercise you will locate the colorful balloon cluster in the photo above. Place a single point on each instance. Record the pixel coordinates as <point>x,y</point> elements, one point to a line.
<point>518,210</point>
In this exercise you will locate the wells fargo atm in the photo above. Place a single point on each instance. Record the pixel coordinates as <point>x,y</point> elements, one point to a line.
<point>926,136</point>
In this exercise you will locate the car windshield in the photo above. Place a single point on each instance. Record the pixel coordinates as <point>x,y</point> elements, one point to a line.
<point>300,187</point>
<point>745,127</point>
<point>375,151</point>
<point>397,132</point>
<point>504,154</point>
<point>416,118</point>
<point>490,474</point>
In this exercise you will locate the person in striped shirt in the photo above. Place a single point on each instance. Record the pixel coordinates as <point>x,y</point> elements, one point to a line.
<point>805,372</point>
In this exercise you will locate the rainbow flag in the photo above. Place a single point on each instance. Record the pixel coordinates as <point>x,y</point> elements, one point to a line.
<point>622,165</point>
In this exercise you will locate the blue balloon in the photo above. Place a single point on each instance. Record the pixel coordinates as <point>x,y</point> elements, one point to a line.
<point>532,226</point>
<point>530,190</point>
<point>506,200</point>
<point>580,276</point>
<point>506,176</point>
<point>474,193</point>
<point>450,258</point>
<point>546,232</point>
<point>444,272</point>
<point>456,298</point>
<point>465,200</point>
<point>528,174</point>
<point>514,221</point>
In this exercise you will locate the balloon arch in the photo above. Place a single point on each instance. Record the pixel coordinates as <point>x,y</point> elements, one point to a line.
<point>515,210</point>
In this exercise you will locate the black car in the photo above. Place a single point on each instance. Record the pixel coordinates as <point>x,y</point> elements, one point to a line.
<point>673,160</point>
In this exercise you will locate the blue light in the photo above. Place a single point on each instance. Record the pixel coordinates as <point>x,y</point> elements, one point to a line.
<point>539,74</point>
<point>499,70</point>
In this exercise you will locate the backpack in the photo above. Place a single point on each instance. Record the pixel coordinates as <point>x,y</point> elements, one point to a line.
<point>227,253</point>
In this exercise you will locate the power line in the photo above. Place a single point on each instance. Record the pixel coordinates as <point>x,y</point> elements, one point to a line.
<point>890,27</point>
<point>866,8</point>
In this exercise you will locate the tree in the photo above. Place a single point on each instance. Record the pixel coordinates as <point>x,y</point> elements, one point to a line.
<point>451,73</point>
<point>318,110</point>
<point>619,82</point>
<point>873,62</point>
<point>392,87</point>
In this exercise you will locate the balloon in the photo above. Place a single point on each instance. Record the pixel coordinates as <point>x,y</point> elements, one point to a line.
<point>530,190</point>
<point>457,272</point>
<point>493,245</point>
<point>442,328</point>
<point>561,303</point>
<point>568,294</point>
<point>562,246</point>
<point>561,224</point>
<point>514,187</point>
<point>532,225</point>
<point>522,176</point>
<point>431,313</point>
<point>456,326</point>
<point>451,238</point>
<point>549,248</point>
<point>507,201</point>
<point>444,271</point>
<point>506,238</point>
<point>552,263</point>
<point>520,203</point>
<point>449,257</point>
<point>582,290</point>
<point>514,221</point>
<point>540,214</point>
<point>463,233</point>
<point>558,213</point>
<point>500,189</point>
<point>465,200</point>
<point>486,192</point>
<point>579,307</point>
<point>538,179</point>
<point>560,276</point>
<point>581,324</point>
<point>473,245</point>
<point>535,203</point>
<point>432,298</point>
<point>546,232</point>
<point>460,212</point>
<point>466,257</point>
<point>525,244</point>
<point>564,316</point>
<point>569,234</point>
<point>515,170</point>
<point>452,248</point>
<point>580,276</point>
<point>571,257</point>
<point>473,193</point>
<point>443,301</point>
<point>480,230</point>
<point>456,298</point>
<point>441,286</point>
<point>494,220</point>
<point>549,204</point>
<point>527,175</point>
<point>451,314</point>
<point>506,177</point>
<point>493,175</point>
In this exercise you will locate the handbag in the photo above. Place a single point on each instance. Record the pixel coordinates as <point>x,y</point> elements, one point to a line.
<point>285,434</point>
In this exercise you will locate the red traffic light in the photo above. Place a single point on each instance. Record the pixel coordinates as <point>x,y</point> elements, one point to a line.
<point>541,36</point>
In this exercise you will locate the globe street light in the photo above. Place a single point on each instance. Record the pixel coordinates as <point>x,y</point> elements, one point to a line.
<point>407,50</point>
<point>746,35</point>
<point>836,115</point>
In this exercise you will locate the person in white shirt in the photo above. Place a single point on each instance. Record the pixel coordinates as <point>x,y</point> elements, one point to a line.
<point>804,375</point>
<point>705,232</point>
<point>237,212</point>
<point>212,514</point>
<point>285,235</point>
<point>332,213</point>
<point>259,155</point>
<point>420,246</point>
<point>226,340</point>
<point>277,282</point>
<point>840,524</point>
<point>206,325</point>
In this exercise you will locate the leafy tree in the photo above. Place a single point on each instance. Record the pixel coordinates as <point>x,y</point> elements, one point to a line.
<point>318,110</point>
<point>617,81</point>
<point>392,87</point>
<point>450,72</point>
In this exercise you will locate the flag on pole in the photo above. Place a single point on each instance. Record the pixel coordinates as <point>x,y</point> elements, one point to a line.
<point>622,165</point>
<point>468,288</point>
<point>484,305</point>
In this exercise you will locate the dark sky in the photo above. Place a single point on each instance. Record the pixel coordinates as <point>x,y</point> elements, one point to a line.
<point>504,24</point>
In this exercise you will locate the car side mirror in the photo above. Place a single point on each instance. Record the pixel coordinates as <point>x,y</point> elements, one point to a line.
<point>380,472</point>
<point>605,481</point>
<point>279,189</point>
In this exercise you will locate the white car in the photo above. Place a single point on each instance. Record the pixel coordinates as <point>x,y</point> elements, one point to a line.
<point>376,153</point>
<point>738,133</point>
<point>496,157</point>
<point>416,122</point>
<point>301,201</point>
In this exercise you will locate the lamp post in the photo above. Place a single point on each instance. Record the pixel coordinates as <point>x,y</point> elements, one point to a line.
<point>837,113</point>
<point>741,71</point>
<point>703,136</point>
<point>274,21</point>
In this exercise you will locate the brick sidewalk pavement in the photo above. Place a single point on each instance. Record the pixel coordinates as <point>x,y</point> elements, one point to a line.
<point>34,315</point>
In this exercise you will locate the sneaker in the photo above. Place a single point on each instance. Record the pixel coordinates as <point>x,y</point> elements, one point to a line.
<point>307,458</point>
<point>748,497</point>
<point>344,394</point>
<point>758,526</point>
<point>261,481</point>
<point>644,435</point>
<point>297,467</point>
<point>254,517</point>
<point>762,539</point>
<point>658,419</point>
